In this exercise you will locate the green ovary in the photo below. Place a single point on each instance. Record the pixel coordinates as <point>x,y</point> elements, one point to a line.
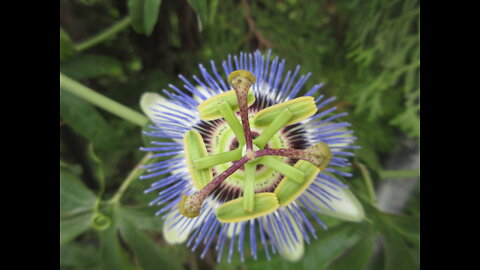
<point>223,140</point>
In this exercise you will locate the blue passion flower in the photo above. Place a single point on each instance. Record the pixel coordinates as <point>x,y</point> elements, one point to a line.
<point>249,165</point>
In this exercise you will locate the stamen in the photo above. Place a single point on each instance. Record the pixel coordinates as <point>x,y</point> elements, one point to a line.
<point>213,160</point>
<point>318,154</point>
<point>189,206</point>
<point>249,187</point>
<point>273,128</point>
<point>241,80</point>
<point>232,121</point>
<point>283,168</point>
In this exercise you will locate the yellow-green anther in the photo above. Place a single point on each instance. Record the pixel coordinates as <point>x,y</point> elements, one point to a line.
<point>213,160</point>
<point>279,122</point>
<point>194,150</point>
<point>249,187</point>
<point>233,211</point>
<point>209,108</point>
<point>301,108</point>
<point>319,155</point>
<point>232,121</point>
<point>283,168</point>
<point>189,206</point>
<point>289,190</point>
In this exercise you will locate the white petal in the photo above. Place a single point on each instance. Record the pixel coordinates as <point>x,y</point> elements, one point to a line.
<point>291,250</point>
<point>176,234</point>
<point>346,205</point>
<point>148,101</point>
<point>204,92</point>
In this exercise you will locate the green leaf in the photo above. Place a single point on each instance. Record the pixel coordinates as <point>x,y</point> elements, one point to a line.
<point>144,15</point>
<point>112,255</point>
<point>79,255</point>
<point>91,66</point>
<point>320,253</point>
<point>97,167</point>
<point>72,227</point>
<point>147,252</point>
<point>406,225</point>
<point>66,45</point>
<point>143,217</point>
<point>75,197</point>
<point>397,254</point>
<point>84,119</point>
<point>201,8</point>
<point>359,256</point>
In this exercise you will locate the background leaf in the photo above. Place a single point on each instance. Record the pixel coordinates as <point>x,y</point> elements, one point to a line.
<point>66,46</point>
<point>71,227</point>
<point>201,8</point>
<point>358,256</point>
<point>320,253</point>
<point>143,217</point>
<point>75,197</point>
<point>91,66</point>
<point>86,121</point>
<point>97,168</point>
<point>148,253</point>
<point>79,255</point>
<point>112,255</point>
<point>144,15</point>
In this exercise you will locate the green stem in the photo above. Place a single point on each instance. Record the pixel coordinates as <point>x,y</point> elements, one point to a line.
<point>104,35</point>
<point>403,174</point>
<point>275,126</point>
<point>283,168</point>
<point>131,176</point>
<point>101,101</point>
<point>210,161</point>
<point>232,121</point>
<point>368,182</point>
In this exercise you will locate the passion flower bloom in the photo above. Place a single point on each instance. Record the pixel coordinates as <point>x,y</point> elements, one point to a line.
<point>247,164</point>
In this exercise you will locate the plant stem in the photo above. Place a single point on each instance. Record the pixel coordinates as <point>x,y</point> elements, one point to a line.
<point>101,101</point>
<point>368,182</point>
<point>131,176</point>
<point>403,174</point>
<point>104,35</point>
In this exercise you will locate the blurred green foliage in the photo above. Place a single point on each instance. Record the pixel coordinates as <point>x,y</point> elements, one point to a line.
<point>366,53</point>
